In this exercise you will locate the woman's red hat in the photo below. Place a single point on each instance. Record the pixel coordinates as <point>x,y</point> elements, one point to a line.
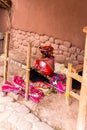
<point>46,50</point>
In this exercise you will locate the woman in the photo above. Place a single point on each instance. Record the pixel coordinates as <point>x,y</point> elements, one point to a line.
<point>44,66</point>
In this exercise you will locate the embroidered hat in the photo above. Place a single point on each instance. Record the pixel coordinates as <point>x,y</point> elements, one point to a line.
<point>46,50</point>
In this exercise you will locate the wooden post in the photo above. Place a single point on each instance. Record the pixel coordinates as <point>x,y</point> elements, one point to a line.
<point>6,50</point>
<point>28,72</point>
<point>83,95</point>
<point>68,84</point>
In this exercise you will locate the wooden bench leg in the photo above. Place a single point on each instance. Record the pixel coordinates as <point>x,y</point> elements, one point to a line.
<point>68,84</point>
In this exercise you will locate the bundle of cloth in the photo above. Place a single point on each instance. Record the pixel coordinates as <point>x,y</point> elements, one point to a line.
<point>18,87</point>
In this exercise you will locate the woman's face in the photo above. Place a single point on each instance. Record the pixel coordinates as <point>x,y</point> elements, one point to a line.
<point>42,55</point>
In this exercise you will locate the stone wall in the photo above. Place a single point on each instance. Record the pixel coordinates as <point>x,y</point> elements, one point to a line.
<point>64,51</point>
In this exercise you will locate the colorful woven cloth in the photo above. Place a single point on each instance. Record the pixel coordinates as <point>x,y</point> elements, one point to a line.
<point>18,86</point>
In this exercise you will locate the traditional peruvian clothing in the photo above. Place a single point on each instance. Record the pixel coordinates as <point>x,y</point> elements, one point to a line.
<point>44,66</point>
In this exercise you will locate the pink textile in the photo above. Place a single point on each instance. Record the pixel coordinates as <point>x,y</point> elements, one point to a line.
<point>18,86</point>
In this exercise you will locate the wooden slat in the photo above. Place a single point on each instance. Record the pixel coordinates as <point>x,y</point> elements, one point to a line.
<point>75,76</point>
<point>77,68</point>
<point>2,5</point>
<point>28,72</point>
<point>85,29</point>
<point>15,62</point>
<point>5,3</point>
<point>7,39</point>
<point>81,122</point>
<point>75,95</point>
<point>68,85</point>
<point>71,75</point>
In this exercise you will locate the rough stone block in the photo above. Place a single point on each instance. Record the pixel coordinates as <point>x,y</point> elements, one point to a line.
<point>12,30</point>
<point>67,54</point>
<point>67,59</point>
<point>28,34</point>
<point>73,57</point>
<point>37,37</point>
<point>80,58</point>
<point>44,38</point>
<point>55,46</point>
<point>82,52</point>
<point>58,41</point>
<point>34,50</point>
<point>21,37</point>
<point>24,42</point>
<point>74,62</point>
<point>28,38</point>
<point>36,43</point>
<point>32,34</point>
<point>67,44</point>
<point>23,48</point>
<point>72,50</point>
<point>42,44</point>
<point>51,39</point>
<point>63,47</point>
<point>60,58</point>
<point>48,43</point>
<point>55,52</point>
<point>19,31</point>
<point>31,38</point>
<point>23,33</point>
<point>78,50</point>
<point>41,39</point>
<point>60,51</point>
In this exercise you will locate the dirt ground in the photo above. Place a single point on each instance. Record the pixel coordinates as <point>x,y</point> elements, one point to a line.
<point>52,108</point>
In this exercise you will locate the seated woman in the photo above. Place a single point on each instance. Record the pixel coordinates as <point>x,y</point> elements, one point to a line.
<point>44,66</point>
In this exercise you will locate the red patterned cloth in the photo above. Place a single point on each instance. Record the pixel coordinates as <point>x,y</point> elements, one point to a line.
<point>45,66</point>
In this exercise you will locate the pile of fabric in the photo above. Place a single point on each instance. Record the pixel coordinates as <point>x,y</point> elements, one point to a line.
<point>36,89</point>
<point>18,86</point>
